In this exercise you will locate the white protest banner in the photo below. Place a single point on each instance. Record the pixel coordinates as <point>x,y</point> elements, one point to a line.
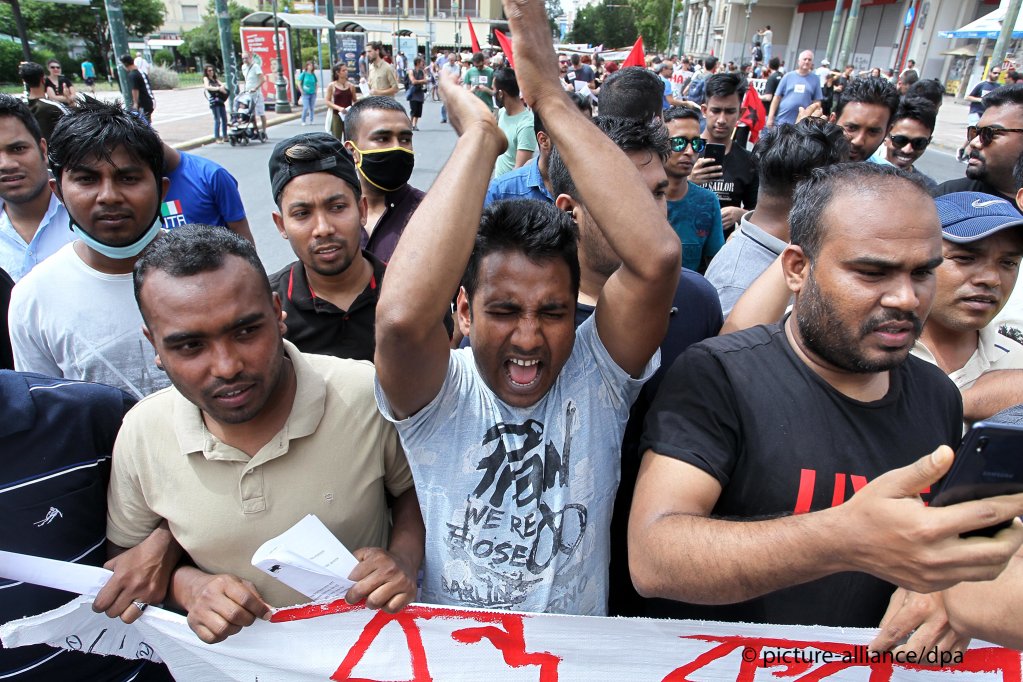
<point>421,643</point>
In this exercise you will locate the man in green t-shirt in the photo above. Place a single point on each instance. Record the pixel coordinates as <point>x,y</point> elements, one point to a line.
<point>515,121</point>
<point>480,80</point>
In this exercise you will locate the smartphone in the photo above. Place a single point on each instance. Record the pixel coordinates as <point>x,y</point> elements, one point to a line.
<point>989,462</point>
<point>716,152</point>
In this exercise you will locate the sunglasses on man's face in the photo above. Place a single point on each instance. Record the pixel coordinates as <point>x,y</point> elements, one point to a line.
<point>918,143</point>
<point>988,134</point>
<point>678,144</point>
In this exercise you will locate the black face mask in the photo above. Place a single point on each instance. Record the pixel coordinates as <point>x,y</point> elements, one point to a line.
<point>386,169</point>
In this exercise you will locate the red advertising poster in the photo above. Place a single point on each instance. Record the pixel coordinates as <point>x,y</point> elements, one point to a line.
<point>260,42</point>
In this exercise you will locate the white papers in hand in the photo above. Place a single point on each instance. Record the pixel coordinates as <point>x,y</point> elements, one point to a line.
<point>308,559</point>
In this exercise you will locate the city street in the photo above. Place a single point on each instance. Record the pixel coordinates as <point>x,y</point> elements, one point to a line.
<point>433,144</point>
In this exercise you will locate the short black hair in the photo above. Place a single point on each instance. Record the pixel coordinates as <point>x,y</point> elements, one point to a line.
<point>710,63</point>
<point>1007,94</point>
<point>775,63</point>
<point>1017,173</point>
<point>677,113</point>
<point>930,89</point>
<point>193,249</point>
<point>870,90</point>
<point>364,104</point>
<point>909,77</point>
<point>31,74</point>
<point>787,153</point>
<point>725,85</point>
<point>504,79</point>
<point>106,127</point>
<point>632,92</point>
<point>127,60</point>
<point>917,109</point>
<point>807,228</point>
<point>537,229</point>
<point>376,45</point>
<point>478,57</point>
<point>12,106</point>
<point>628,134</point>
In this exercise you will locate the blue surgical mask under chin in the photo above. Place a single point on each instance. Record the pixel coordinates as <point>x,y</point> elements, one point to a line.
<point>119,252</point>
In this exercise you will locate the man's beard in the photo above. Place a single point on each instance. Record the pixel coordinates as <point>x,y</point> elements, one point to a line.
<point>824,334</point>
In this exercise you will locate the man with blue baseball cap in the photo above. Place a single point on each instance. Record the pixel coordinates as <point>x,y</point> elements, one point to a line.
<point>982,247</point>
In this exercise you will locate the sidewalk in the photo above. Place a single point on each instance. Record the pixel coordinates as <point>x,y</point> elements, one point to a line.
<point>950,131</point>
<point>183,117</point>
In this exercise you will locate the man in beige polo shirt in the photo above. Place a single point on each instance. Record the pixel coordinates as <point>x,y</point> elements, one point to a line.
<point>380,75</point>
<point>253,436</point>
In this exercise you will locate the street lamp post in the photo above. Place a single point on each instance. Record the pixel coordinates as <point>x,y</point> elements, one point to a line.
<point>745,31</point>
<point>281,103</point>
<point>457,7</point>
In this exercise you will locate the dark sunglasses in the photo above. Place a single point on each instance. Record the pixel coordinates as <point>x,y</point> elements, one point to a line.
<point>988,134</point>
<point>918,143</point>
<point>678,144</point>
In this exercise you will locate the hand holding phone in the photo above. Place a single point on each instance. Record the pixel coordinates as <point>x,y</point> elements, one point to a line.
<point>716,152</point>
<point>989,463</point>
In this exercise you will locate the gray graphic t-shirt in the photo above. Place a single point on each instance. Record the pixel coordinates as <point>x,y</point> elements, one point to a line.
<point>517,501</point>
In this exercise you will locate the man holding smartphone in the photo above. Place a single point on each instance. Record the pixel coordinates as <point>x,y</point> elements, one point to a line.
<point>787,488</point>
<point>726,168</point>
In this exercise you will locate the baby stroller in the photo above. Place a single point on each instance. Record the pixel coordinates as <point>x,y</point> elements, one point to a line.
<point>243,123</point>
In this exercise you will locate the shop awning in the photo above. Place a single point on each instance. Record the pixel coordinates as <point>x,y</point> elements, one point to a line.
<point>287,19</point>
<point>988,26</point>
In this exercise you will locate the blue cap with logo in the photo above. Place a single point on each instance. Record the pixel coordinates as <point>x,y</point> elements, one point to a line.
<point>971,216</point>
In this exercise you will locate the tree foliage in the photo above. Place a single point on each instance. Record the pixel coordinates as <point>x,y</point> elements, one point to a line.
<point>652,20</point>
<point>49,23</point>
<point>204,41</point>
<point>605,23</point>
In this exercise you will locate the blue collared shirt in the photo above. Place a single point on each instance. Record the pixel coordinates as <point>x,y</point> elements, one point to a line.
<point>17,257</point>
<point>522,183</point>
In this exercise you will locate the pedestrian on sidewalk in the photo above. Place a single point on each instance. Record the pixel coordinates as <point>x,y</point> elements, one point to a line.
<point>341,95</point>
<point>307,82</point>
<point>142,101</point>
<point>416,93</point>
<point>216,95</point>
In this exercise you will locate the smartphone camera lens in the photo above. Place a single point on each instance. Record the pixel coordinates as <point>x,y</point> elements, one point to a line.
<point>982,443</point>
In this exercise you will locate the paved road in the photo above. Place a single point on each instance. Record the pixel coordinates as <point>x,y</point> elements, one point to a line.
<point>433,144</point>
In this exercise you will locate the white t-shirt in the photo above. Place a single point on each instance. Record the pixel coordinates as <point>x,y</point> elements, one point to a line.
<point>68,320</point>
<point>517,501</point>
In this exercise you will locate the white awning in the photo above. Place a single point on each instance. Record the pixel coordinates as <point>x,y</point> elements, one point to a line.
<point>988,26</point>
<point>287,19</point>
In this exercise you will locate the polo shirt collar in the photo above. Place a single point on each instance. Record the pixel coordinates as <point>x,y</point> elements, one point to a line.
<point>306,413</point>
<point>768,241</point>
<point>302,296</point>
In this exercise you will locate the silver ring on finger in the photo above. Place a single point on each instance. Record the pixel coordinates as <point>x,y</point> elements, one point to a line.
<point>141,606</point>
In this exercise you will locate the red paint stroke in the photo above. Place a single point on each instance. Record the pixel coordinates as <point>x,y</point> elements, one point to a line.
<point>985,660</point>
<point>511,642</point>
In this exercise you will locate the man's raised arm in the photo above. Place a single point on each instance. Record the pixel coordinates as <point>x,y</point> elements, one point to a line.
<point>425,271</point>
<point>632,312</point>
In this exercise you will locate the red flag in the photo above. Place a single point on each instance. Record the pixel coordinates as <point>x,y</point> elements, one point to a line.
<point>753,113</point>
<point>505,44</point>
<point>472,32</point>
<point>637,56</point>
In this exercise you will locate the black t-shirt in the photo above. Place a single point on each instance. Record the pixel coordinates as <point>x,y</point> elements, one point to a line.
<point>979,91</point>
<point>695,315</point>
<point>318,326</point>
<point>62,82</point>
<point>771,86</point>
<point>971,185</point>
<point>739,183</point>
<point>780,440</point>
<point>137,81</point>
<point>6,354</point>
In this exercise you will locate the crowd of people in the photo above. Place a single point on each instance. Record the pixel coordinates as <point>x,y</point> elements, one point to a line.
<point>522,394</point>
